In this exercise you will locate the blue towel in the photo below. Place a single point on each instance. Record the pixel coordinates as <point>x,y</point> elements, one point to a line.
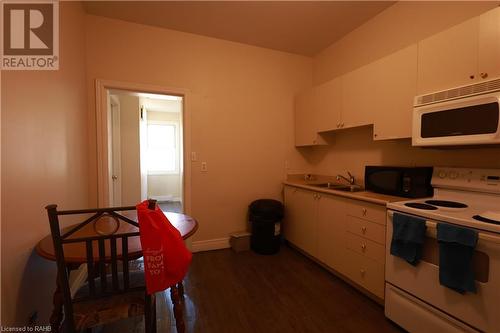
<point>408,236</point>
<point>456,248</point>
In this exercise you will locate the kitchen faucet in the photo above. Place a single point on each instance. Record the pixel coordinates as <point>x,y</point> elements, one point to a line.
<point>350,180</point>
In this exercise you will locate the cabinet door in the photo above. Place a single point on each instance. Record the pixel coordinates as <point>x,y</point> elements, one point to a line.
<point>449,58</point>
<point>300,227</point>
<point>357,97</point>
<point>328,104</point>
<point>489,44</point>
<point>331,232</point>
<point>306,131</point>
<point>395,87</point>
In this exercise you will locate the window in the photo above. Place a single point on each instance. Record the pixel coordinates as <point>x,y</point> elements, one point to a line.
<point>162,148</point>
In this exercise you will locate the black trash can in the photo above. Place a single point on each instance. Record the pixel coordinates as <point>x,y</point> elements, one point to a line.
<point>265,217</point>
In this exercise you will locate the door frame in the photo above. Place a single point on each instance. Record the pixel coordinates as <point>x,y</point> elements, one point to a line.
<point>101,86</point>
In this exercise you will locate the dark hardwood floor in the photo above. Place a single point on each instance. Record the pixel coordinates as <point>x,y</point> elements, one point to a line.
<point>247,292</point>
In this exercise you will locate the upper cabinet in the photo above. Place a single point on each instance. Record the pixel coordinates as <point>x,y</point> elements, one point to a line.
<point>357,97</point>
<point>328,105</point>
<point>394,87</point>
<point>489,44</point>
<point>464,54</point>
<point>449,58</point>
<point>381,93</point>
<point>306,119</point>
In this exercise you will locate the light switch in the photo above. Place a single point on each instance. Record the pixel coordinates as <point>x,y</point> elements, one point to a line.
<point>204,167</point>
<point>194,158</point>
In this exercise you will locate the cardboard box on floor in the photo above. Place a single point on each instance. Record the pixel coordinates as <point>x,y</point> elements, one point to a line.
<point>240,241</point>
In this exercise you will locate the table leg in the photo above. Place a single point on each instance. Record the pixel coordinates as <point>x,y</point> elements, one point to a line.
<point>180,287</point>
<point>57,312</point>
<point>179,320</point>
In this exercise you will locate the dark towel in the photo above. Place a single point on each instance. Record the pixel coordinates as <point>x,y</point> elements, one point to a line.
<point>408,236</point>
<point>456,248</point>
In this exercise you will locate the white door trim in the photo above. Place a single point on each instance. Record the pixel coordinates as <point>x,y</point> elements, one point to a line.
<point>101,86</point>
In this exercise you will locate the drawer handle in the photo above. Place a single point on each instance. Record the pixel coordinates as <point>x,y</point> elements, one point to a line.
<point>364,211</point>
<point>362,272</point>
<point>363,247</point>
<point>363,230</point>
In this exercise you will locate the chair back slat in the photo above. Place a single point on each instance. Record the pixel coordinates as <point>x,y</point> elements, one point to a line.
<point>90,267</point>
<point>102,264</point>
<point>81,225</point>
<point>114,264</point>
<point>125,263</point>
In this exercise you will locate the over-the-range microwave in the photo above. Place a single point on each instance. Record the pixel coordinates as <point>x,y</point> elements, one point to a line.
<point>467,115</point>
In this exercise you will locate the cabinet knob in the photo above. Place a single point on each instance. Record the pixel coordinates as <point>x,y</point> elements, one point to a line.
<point>363,230</point>
<point>338,125</point>
<point>375,135</point>
<point>484,75</point>
<point>364,211</point>
<point>363,247</point>
<point>471,77</point>
<point>342,125</point>
<point>319,196</point>
<point>362,272</point>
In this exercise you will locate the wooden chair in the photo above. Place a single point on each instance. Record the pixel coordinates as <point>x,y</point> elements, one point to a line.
<point>106,296</point>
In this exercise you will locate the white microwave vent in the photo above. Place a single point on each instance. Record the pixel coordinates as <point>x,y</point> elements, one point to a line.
<point>464,91</point>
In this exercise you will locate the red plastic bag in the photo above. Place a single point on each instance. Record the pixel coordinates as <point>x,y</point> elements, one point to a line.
<point>166,258</point>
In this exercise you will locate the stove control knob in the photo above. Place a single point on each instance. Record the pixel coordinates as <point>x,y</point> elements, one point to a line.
<point>453,175</point>
<point>442,174</point>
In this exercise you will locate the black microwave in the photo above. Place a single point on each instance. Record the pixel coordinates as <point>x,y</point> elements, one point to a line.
<point>408,182</point>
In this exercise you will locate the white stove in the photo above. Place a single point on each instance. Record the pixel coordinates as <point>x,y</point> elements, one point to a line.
<point>414,297</point>
<point>468,197</point>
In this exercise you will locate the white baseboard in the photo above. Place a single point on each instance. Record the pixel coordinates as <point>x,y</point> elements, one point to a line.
<point>210,244</point>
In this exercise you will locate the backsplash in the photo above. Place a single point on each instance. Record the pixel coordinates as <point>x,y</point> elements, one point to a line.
<point>352,149</point>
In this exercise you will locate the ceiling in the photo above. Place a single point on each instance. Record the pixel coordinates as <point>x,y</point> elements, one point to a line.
<point>301,27</point>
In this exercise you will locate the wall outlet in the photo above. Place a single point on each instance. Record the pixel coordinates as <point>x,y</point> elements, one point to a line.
<point>204,167</point>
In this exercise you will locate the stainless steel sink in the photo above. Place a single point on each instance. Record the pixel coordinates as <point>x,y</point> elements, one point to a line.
<point>349,188</point>
<point>339,187</point>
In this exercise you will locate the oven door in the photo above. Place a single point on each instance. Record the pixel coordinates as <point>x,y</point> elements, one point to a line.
<point>480,310</point>
<point>469,121</point>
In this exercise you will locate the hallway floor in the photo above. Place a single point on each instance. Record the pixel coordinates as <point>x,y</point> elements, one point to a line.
<point>171,206</point>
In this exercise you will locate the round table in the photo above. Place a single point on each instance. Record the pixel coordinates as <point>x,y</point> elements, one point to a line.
<point>75,253</point>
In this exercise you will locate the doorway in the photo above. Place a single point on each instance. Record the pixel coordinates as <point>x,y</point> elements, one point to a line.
<point>145,148</point>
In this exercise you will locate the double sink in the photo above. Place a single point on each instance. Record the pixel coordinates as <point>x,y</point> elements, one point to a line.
<point>339,187</point>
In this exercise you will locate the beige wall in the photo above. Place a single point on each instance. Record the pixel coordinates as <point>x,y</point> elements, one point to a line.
<point>240,105</point>
<point>44,161</point>
<point>400,25</point>
<point>130,150</point>
<point>352,149</point>
<point>168,185</point>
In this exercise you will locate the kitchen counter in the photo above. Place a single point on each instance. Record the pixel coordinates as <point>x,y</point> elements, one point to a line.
<point>376,198</point>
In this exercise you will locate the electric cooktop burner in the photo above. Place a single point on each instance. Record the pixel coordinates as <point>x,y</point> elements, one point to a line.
<point>446,203</point>
<point>419,205</point>
<point>484,219</point>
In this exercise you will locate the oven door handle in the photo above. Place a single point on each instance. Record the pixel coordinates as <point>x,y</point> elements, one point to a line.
<point>432,231</point>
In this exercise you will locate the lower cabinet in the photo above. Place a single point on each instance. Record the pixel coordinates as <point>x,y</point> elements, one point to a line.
<point>301,226</point>
<point>347,235</point>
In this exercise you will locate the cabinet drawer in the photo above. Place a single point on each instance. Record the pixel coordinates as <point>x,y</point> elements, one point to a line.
<point>367,211</point>
<point>366,247</point>
<point>366,229</point>
<point>367,273</point>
